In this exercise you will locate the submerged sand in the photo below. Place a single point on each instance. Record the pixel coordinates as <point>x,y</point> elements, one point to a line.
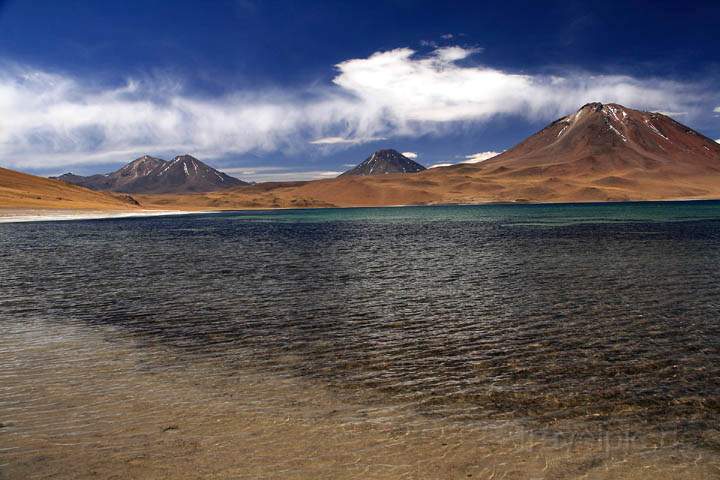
<point>92,402</point>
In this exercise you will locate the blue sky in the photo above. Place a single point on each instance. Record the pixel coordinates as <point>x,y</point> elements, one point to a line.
<point>291,90</point>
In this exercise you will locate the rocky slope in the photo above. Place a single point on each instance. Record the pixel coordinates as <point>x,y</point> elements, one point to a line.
<point>610,138</point>
<point>183,174</point>
<point>603,152</point>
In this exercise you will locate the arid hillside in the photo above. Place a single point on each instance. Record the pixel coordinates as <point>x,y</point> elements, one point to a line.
<point>22,191</point>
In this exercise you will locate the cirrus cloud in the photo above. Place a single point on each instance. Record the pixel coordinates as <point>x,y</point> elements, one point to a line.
<point>52,120</point>
<point>342,140</point>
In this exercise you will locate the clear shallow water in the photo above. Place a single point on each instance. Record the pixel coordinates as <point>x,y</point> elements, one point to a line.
<point>568,318</point>
<point>541,214</point>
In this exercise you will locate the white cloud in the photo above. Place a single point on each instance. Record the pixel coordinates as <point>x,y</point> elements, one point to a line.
<point>51,120</point>
<point>341,140</point>
<point>331,141</point>
<point>480,157</point>
<point>717,110</point>
<point>254,170</point>
<point>278,174</point>
<point>472,158</point>
<point>410,155</point>
<point>291,176</point>
<point>718,140</point>
<point>674,114</point>
<point>418,93</point>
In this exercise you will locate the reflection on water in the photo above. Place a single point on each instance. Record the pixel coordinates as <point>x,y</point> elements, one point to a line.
<point>586,325</point>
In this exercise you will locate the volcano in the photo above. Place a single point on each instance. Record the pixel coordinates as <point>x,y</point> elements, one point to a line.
<point>611,139</point>
<point>183,174</point>
<point>601,152</point>
<point>383,162</point>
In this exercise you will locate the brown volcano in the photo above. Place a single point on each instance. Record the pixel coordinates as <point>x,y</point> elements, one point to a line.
<point>384,162</point>
<point>611,139</point>
<point>606,152</point>
<point>599,153</point>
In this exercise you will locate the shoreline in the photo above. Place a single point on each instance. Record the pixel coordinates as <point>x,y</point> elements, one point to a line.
<point>22,215</point>
<point>45,215</point>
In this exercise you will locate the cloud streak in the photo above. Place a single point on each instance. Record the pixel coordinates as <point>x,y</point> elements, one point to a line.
<point>472,158</point>
<point>279,174</point>
<point>480,157</point>
<point>344,141</point>
<point>51,120</point>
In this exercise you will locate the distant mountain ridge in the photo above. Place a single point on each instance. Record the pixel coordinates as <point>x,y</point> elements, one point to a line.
<point>383,162</point>
<point>147,174</point>
<point>599,153</point>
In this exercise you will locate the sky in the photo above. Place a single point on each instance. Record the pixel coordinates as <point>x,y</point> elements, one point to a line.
<point>287,90</point>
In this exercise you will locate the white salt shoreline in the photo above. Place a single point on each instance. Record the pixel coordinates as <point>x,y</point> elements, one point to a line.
<point>21,216</point>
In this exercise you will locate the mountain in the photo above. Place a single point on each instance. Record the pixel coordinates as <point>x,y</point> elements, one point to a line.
<point>598,153</point>
<point>601,152</point>
<point>612,139</point>
<point>23,191</point>
<point>94,182</point>
<point>183,174</point>
<point>604,152</point>
<point>383,162</point>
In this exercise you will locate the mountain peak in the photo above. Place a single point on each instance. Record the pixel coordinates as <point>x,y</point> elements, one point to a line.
<point>148,174</point>
<point>388,151</point>
<point>606,109</point>
<point>385,161</point>
<point>139,167</point>
<point>147,158</point>
<point>594,106</point>
<point>601,138</point>
<point>185,158</point>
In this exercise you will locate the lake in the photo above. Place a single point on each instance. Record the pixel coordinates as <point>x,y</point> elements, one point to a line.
<point>521,341</point>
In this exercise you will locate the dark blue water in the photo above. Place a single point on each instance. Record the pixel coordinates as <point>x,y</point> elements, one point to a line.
<point>600,314</point>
